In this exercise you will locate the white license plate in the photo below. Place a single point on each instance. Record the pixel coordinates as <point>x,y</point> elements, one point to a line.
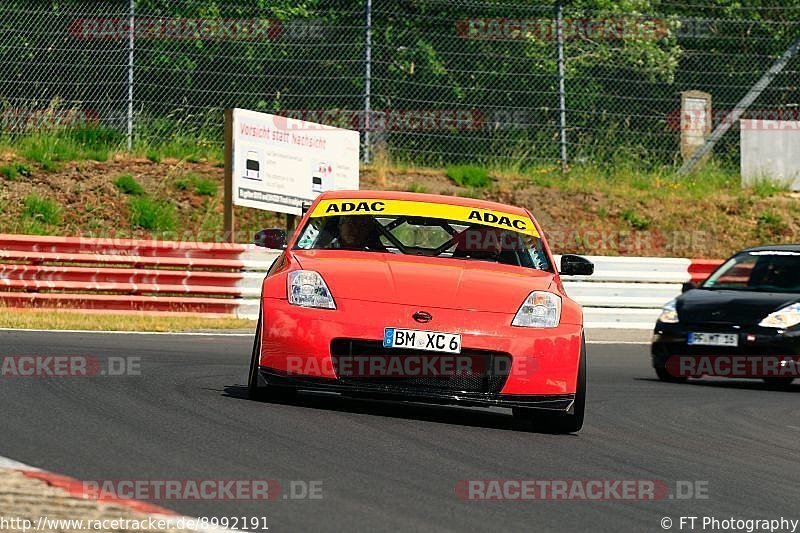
<point>713,339</point>
<point>416,339</point>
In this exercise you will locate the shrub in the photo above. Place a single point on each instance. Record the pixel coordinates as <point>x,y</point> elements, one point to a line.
<point>469,176</point>
<point>14,170</point>
<point>636,220</point>
<point>205,187</point>
<point>149,214</point>
<point>41,209</point>
<point>770,225</point>
<point>183,184</point>
<point>766,188</point>
<point>50,148</point>
<point>128,185</point>
<point>200,185</point>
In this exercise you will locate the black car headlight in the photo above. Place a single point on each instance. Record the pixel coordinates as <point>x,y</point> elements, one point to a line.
<point>669,314</point>
<point>783,318</point>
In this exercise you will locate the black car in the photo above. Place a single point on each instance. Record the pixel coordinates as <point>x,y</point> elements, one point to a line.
<point>747,311</point>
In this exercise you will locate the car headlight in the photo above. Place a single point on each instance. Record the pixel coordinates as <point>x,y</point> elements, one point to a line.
<point>539,310</point>
<point>308,289</point>
<point>783,318</point>
<point>669,314</point>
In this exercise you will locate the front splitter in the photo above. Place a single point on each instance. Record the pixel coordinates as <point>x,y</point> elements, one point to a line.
<point>559,402</point>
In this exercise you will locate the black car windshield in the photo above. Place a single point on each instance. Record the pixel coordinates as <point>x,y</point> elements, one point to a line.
<point>424,236</point>
<point>767,271</point>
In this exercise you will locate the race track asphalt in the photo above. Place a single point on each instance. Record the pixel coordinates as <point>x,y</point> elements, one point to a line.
<point>395,467</point>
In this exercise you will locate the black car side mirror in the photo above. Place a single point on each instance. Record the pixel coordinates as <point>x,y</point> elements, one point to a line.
<point>575,265</point>
<point>687,286</point>
<point>270,238</point>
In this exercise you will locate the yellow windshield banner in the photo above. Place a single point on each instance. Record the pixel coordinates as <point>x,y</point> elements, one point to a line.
<point>460,213</point>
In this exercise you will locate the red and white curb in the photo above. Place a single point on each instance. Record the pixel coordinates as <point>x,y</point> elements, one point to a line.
<point>75,488</point>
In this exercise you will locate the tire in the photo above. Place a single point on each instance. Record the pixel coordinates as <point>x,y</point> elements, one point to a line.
<point>257,389</point>
<point>560,422</point>
<point>778,383</point>
<point>663,375</point>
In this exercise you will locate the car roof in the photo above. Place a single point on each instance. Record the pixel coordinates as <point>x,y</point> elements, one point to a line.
<point>773,248</point>
<point>422,197</point>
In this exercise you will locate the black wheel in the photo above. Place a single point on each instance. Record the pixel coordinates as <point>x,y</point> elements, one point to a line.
<point>663,375</point>
<point>778,383</point>
<point>560,422</point>
<point>257,388</point>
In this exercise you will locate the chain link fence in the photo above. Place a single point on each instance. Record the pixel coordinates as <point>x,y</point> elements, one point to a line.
<point>427,81</point>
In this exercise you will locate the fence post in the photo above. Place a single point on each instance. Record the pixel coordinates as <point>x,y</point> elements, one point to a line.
<point>131,44</point>
<point>367,78</point>
<point>746,101</point>
<point>562,105</point>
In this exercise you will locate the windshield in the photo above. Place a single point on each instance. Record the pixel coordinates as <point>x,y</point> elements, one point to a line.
<point>451,238</point>
<point>768,271</point>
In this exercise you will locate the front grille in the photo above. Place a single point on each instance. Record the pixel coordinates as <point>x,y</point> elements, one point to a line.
<point>360,362</point>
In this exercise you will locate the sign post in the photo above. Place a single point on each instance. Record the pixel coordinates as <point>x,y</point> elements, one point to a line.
<point>277,163</point>
<point>227,217</point>
<point>695,121</point>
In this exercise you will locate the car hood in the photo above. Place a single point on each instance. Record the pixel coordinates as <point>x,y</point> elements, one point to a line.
<point>744,308</point>
<point>425,281</point>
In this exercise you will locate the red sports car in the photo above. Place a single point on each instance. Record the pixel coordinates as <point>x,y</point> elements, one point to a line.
<point>423,298</point>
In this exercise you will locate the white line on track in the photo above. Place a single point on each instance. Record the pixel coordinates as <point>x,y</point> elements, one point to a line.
<point>633,343</point>
<point>214,334</point>
<point>5,462</point>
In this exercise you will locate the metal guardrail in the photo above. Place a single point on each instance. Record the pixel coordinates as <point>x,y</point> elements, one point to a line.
<point>629,292</point>
<point>122,275</point>
<point>214,279</point>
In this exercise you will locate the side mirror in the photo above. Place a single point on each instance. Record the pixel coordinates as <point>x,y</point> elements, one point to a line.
<point>575,265</point>
<point>270,238</point>
<point>687,286</point>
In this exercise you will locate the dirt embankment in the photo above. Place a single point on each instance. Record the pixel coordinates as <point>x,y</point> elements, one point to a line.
<point>579,217</point>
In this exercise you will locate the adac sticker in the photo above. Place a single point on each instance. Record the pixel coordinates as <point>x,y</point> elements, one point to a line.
<point>470,215</point>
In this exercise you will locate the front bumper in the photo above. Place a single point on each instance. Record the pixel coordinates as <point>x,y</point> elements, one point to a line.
<point>671,340</point>
<point>296,344</point>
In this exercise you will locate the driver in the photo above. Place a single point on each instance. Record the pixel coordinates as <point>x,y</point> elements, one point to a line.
<point>356,232</point>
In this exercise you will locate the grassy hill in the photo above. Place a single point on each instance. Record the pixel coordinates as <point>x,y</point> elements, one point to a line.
<point>77,185</point>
